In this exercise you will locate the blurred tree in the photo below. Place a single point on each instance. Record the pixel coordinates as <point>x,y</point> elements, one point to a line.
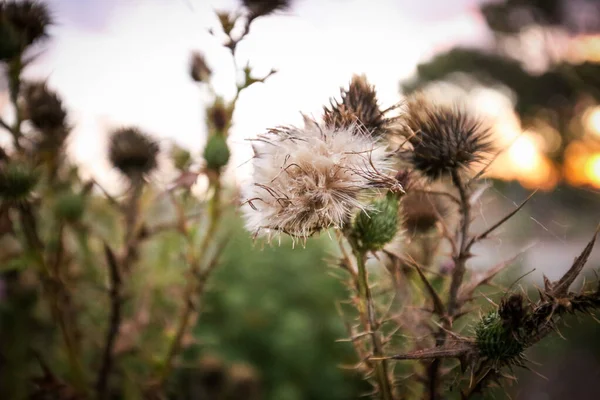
<point>555,93</point>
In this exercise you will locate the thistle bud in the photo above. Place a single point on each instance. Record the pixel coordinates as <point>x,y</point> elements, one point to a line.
<point>69,206</point>
<point>216,152</point>
<point>199,71</point>
<point>44,109</point>
<point>499,333</point>
<point>218,116</point>
<point>378,225</point>
<point>227,22</point>
<point>27,19</point>
<point>133,152</point>
<point>17,181</point>
<point>182,159</point>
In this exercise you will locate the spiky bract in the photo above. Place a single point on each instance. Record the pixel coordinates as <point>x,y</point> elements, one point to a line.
<point>358,105</point>
<point>377,226</point>
<point>17,181</point>
<point>445,140</point>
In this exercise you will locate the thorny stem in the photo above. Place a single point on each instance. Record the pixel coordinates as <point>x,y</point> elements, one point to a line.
<point>114,325</point>
<point>366,310</point>
<point>52,288</point>
<point>117,271</point>
<point>14,78</point>
<point>195,285</point>
<point>460,256</point>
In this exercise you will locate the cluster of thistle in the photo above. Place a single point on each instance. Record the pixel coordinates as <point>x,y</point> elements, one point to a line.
<point>347,170</point>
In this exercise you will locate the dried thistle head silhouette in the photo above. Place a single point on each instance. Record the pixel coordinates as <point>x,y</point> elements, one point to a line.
<point>199,70</point>
<point>311,178</point>
<point>133,152</point>
<point>259,8</point>
<point>358,104</point>
<point>44,109</point>
<point>27,19</point>
<point>445,140</point>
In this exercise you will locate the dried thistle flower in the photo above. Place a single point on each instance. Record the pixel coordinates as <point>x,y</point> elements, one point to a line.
<point>133,152</point>
<point>28,20</point>
<point>422,211</point>
<point>17,181</point>
<point>218,116</point>
<point>44,109</point>
<point>358,105</point>
<point>444,140</point>
<point>199,70</point>
<point>311,178</point>
<point>259,8</point>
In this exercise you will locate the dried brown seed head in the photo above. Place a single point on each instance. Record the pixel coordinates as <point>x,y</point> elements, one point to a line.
<point>199,70</point>
<point>259,8</point>
<point>133,152</point>
<point>359,105</point>
<point>444,140</point>
<point>29,19</point>
<point>44,109</point>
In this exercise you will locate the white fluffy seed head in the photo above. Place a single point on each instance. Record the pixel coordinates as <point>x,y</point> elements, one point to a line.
<point>311,178</point>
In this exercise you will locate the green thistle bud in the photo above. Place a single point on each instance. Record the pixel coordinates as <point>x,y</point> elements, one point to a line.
<point>69,206</point>
<point>182,159</point>
<point>216,152</point>
<point>16,181</point>
<point>378,226</point>
<point>496,340</point>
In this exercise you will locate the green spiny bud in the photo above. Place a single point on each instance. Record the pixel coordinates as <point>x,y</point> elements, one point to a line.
<point>377,226</point>
<point>69,206</point>
<point>497,340</point>
<point>216,152</point>
<point>16,181</point>
<point>182,159</point>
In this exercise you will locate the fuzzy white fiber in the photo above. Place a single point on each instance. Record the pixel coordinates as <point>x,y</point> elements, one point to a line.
<point>311,178</point>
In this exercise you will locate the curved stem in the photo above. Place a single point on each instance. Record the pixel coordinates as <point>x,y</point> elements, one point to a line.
<point>195,285</point>
<point>366,310</point>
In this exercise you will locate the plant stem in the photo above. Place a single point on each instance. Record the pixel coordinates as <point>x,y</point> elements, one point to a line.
<point>463,255</point>
<point>196,283</point>
<point>14,80</point>
<point>52,289</point>
<point>366,310</point>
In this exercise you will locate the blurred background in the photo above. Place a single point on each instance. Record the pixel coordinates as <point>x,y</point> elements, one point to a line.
<point>529,67</point>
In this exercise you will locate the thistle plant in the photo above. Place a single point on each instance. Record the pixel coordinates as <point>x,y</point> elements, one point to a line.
<point>72,236</point>
<point>103,290</point>
<point>386,183</point>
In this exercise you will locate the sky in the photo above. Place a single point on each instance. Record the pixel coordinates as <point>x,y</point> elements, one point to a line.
<point>121,62</point>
